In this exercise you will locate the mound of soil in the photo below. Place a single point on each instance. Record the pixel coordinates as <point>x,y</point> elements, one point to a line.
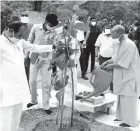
<point>49,125</point>
<point>38,120</point>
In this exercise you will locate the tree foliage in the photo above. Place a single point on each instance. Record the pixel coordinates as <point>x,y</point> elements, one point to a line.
<point>125,10</point>
<point>121,10</point>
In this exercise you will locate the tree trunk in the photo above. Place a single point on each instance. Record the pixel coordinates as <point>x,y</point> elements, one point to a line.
<point>37,5</point>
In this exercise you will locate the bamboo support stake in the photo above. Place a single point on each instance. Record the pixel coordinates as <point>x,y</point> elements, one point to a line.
<point>62,99</point>
<point>72,96</point>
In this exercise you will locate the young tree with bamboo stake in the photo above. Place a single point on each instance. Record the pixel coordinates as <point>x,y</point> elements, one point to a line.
<point>62,56</point>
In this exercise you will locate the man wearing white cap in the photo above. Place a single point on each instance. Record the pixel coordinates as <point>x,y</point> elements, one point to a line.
<point>13,83</point>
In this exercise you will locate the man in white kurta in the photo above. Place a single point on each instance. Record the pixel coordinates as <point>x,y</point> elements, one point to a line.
<point>13,82</point>
<point>126,77</point>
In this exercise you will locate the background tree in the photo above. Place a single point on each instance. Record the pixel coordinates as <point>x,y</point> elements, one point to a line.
<point>37,6</point>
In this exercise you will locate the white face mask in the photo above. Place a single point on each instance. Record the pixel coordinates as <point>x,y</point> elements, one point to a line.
<point>135,28</point>
<point>117,40</point>
<point>107,31</point>
<point>14,40</point>
<point>93,23</point>
<point>25,19</point>
<point>49,28</point>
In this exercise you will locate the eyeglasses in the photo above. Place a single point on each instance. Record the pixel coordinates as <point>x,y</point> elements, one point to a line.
<point>24,15</point>
<point>48,23</point>
<point>10,30</point>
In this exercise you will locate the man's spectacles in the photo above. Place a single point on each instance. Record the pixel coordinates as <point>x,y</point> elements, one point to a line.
<point>10,30</point>
<point>24,15</point>
<point>49,24</point>
<point>104,21</point>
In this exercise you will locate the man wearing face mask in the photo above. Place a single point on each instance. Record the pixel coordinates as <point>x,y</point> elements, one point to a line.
<point>125,64</point>
<point>25,19</point>
<point>104,47</point>
<point>137,35</point>
<point>13,82</point>
<point>80,37</point>
<point>91,37</point>
<point>42,34</point>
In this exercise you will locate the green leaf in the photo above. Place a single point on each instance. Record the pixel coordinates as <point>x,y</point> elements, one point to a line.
<point>63,17</point>
<point>76,7</point>
<point>82,12</point>
<point>66,12</point>
<point>73,32</point>
<point>59,9</point>
<point>81,26</point>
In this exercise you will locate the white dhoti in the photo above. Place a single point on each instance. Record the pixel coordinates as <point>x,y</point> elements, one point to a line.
<point>68,88</point>
<point>127,110</point>
<point>10,117</point>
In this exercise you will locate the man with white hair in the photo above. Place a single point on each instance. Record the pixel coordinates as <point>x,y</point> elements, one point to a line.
<point>13,82</point>
<point>126,74</point>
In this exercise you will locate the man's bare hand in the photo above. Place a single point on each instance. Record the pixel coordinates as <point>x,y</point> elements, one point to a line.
<point>84,44</point>
<point>106,63</point>
<point>109,67</point>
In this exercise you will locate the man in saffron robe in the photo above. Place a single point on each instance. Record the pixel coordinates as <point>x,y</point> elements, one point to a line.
<point>126,77</point>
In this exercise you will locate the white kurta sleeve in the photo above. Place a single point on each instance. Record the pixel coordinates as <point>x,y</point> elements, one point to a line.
<point>127,57</point>
<point>1,49</point>
<point>27,46</point>
<point>98,41</point>
<point>0,59</point>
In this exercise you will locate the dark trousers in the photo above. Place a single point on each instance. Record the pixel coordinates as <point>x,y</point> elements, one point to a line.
<point>82,61</point>
<point>138,46</point>
<point>101,61</point>
<point>54,69</point>
<point>27,68</point>
<point>90,50</point>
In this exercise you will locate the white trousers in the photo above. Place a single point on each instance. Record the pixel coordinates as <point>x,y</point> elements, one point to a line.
<point>46,83</point>
<point>10,117</point>
<point>127,110</point>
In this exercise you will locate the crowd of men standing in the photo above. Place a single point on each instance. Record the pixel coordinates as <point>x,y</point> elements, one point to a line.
<point>97,42</point>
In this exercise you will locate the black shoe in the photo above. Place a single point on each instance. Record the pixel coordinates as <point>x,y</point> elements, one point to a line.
<point>124,125</point>
<point>85,77</point>
<point>102,95</point>
<point>30,105</point>
<point>139,97</point>
<point>117,120</point>
<point>48,111</point>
